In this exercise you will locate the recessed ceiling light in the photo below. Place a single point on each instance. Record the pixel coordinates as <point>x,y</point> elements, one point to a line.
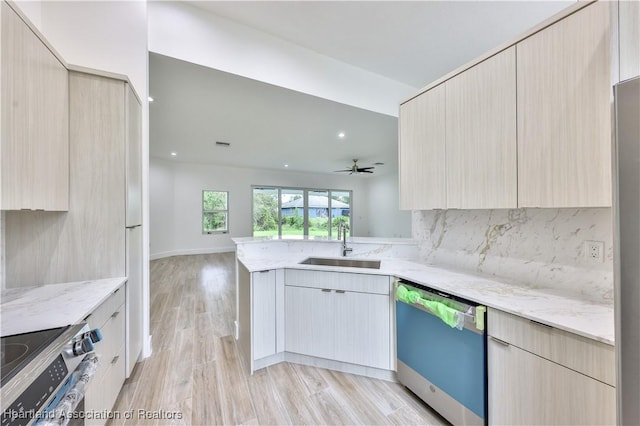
<point>173,154</point>
<point>341,135</point>
<point>286,165</point>
<point>150,99</point>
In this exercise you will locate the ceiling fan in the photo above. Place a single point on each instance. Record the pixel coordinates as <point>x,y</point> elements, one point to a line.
<point>355,169</point>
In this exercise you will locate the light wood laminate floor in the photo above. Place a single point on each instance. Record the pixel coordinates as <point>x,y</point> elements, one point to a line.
<point>196,373</point>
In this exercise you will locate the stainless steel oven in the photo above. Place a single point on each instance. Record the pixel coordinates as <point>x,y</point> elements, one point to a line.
<point>44,374</point>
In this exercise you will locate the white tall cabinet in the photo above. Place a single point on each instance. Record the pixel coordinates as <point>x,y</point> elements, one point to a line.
<point>133,213</point>
<point>629,31</point>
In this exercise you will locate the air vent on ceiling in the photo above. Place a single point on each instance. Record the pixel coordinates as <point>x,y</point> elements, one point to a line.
<point>227,144</point>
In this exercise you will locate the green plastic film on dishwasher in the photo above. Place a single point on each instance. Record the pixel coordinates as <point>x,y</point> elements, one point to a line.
<point>480,311</point>
<point>448,315</point>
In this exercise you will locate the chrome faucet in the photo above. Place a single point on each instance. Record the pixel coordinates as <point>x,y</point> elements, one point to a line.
<point>342,230</point>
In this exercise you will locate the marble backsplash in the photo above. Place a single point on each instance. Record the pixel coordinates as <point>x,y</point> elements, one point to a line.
<point>540,248</point>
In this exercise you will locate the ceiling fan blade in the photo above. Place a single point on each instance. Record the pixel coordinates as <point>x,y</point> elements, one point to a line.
<point>347,170</point>
<point>365,171</point>
<point>365,168</point>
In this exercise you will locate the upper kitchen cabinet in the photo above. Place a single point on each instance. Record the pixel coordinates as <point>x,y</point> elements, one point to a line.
<point>480,121</point>
<point>89,240</point>
<point>629,27</point>
<point>35,121</point>
<point>422,151</point>
<point>134,157</point>
<point>564,112</point>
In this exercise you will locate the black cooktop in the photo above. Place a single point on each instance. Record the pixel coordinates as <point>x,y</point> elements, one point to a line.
<point>18,350</point>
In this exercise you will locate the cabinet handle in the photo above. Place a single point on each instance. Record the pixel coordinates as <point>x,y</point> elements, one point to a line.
<point>115,359</point>
<point>262,272</point>
<point>540,324</point>
<point>500,342</point>
<point>115,314</point>
<point>326,290</point>
<point>341,291</point>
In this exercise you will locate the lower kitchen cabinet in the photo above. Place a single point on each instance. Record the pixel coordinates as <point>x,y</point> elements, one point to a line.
<point>309,321</point>
<point>540,375</point>
<point>260,326</point>
<point>263,321</point>
<point>527,389</point>
<point>362,329</point>
<point>332,321</point>
<point>105,385</point>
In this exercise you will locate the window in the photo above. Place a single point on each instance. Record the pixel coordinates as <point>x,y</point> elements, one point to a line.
<point>296,212</point>
<point>215,212</point>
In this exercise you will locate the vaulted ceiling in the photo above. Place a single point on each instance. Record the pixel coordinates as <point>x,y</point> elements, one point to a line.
<point>413,42</point>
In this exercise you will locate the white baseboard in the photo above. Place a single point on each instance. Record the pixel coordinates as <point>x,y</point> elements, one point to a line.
<point>208,250</point>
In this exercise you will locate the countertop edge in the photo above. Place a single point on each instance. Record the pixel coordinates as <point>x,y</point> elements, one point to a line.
<point>25,305</point>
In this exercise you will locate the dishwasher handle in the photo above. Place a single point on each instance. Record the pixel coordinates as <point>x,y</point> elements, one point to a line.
<point>456,315</point>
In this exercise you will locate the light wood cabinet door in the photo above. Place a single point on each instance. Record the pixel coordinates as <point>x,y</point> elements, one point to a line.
<point>362,324</point>
<point>35,121</point>
<point>263,298</point>
<point>309,321</point>
<point>587,356</point>
<point>525,389</point>
<point>481,135</point>
<point>629,27</point>
<point>421,151</point>
<point>134,158</point>
<point>134,297</point>
<point>564,112</point>
<point>92,233</point>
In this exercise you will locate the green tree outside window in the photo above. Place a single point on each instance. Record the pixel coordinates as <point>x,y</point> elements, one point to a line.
<point>215,212</point>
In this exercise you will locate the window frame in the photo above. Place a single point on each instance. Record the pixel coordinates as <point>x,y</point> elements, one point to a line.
<point>305,194</point>
<point>225,211</point>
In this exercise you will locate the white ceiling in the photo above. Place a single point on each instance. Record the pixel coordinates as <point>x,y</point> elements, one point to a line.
<point>267,126</point>
<point>413,42</point>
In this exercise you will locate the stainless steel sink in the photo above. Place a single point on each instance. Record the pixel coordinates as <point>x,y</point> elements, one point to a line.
<point>346,263</point>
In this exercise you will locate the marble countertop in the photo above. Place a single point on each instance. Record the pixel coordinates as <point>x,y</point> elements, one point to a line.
<point>55,305</point>
<point>586,318</point>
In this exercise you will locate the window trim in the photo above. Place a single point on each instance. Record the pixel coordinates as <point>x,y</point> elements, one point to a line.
<point>225,211</point>
<point>305,194</point>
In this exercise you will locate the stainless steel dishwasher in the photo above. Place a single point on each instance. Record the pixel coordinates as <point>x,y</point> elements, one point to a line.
<point>442,351</point>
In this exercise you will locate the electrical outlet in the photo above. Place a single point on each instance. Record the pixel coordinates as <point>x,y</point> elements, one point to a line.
<point>594,250</point>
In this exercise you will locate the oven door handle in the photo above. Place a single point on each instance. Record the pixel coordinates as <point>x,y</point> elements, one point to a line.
<point>72,398</point>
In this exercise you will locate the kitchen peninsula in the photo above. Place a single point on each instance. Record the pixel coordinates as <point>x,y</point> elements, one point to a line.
<point>551,326</point>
